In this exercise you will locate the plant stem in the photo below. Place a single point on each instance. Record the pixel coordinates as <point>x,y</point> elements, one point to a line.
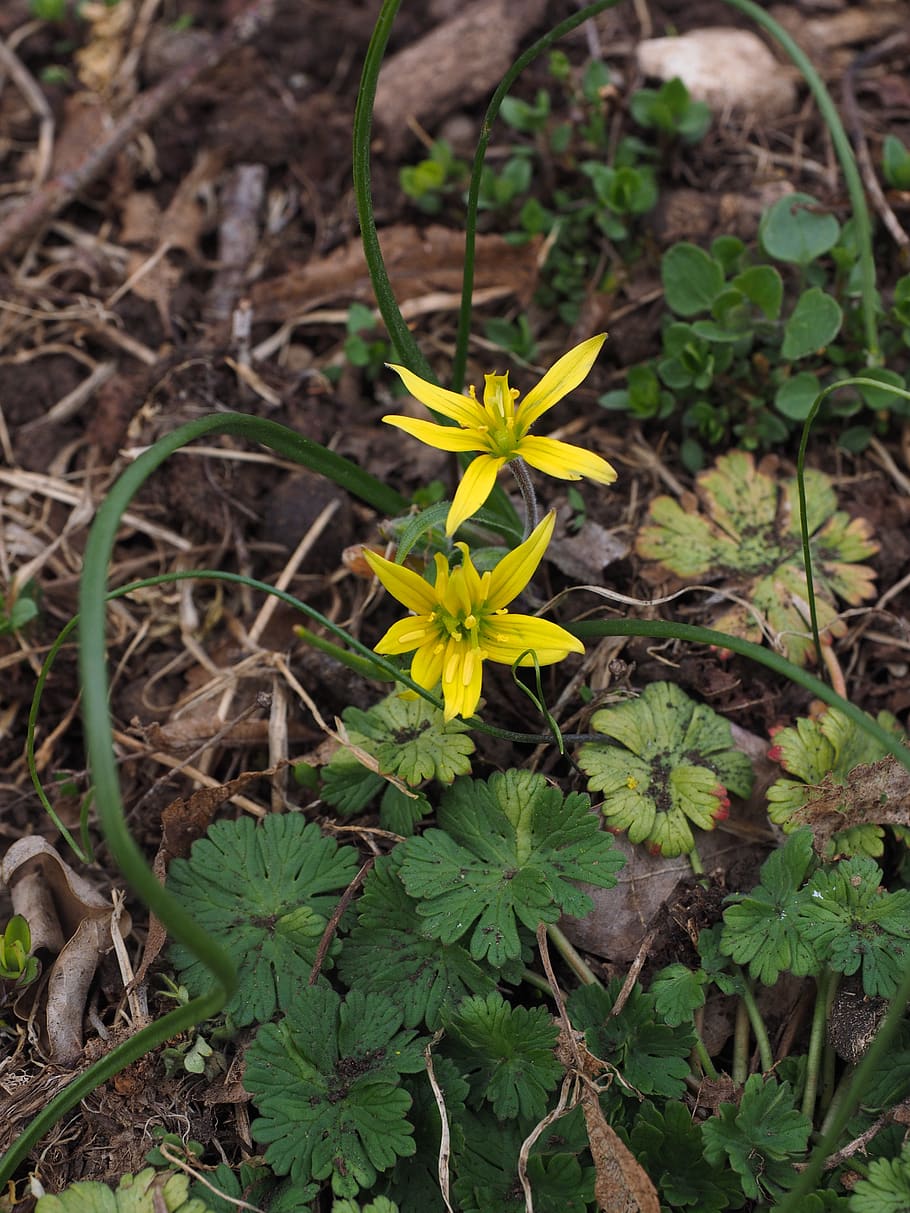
<point>740,1068</point>
<point>825,988</point>
<point>529,977</point>
<point>572,958</point>
<point>528,495</point>
<point>758,1027</point>
<point>695,862</point>
<point>704,1057</point>
<point>467,283</point>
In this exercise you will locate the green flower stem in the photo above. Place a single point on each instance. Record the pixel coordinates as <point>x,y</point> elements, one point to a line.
<point>740,1067</point>
<point>704,1058</point>
<point>528,495</point>
<point>825,988</point>
<point>460,359</point>
<point>844,151</point>
<point>572,957</point>
<point>758,1027</point>
<point>406,347</point>
<point>695,862</point>
<point>856,381</point>
<point>365,667</point>
<point>780,665</point>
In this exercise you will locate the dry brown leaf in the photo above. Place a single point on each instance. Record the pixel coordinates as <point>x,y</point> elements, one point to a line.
<point>622,1185</point>
<point>876,793</point>
<point>66,916</point>
<point>420,261</point>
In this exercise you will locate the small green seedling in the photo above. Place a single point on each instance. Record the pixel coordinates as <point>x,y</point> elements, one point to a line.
<point>672,768</point>
<point>438,176</point>
<point>671,111</point>
<point>896,163</point>
<point>363,347</point>
<point>16,963</point>
<point>21,611</point>
<point>745,528</point>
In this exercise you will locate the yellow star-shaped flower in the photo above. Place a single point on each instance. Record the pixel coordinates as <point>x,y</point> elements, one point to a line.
<point>499,428</point>
<point>462,620</point>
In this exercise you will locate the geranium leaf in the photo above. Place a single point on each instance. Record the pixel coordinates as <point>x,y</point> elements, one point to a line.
<point>326,1081</point>
<point>418,973</point>
<point>761,1138</point>
<point>675,768</point>
<point>507,853</point>
<point>265,893</point>
<point>148,1192</point>
<point>507,1054</point>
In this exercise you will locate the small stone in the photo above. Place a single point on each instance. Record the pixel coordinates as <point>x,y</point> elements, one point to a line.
<point>730,69</point>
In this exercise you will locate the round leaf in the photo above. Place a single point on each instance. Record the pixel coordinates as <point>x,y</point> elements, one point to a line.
<point>813,324</point>
<point>794,229</point>
<point>692,279</point>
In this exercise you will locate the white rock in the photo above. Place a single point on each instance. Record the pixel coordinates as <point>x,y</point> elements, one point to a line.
<point>730,69</point>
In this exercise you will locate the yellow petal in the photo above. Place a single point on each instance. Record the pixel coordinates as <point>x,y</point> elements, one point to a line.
<point>505,637</point>
<point>516,569</point>
<point>407,587</point>
<point>564,461</point>
<point>443,437</point>
<point>458,408</point>
<point>499,398</point>
<point>476,486</point>
<point>563,377</point>
<point>409,634</point>
<point>426,668</point>
<point>462,676</point>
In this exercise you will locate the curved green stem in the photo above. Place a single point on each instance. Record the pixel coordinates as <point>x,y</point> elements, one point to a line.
<point>759,1030</point>
<point>686,631</point>
<point>855,381</point>
<point>405,345</point>
<point>844,152</point>
<point>467,287</point>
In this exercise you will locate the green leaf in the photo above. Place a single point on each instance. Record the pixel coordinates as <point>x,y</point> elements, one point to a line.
<point>763,928</point>
<point>796,395</point>
<point>692,279</point>
<point>885,1190</point>
<point>678,992</point>
<point>381,1204</point>
<point>507,853</point>
<point>265,893</point>
<point>650,1055</point>
<point>896,163</point>
<point>418,974</point>
<point>486,1167</point>
<point>762,1138</point>
<point>668,1144</point>
<point>851,922</point>
<point>674,765</point>
<point>813,324</point>
<point>148,1192</point>
<point>507,1054</point>
<point>763,286</point>
<point>795,229</point>
<point>326,1081</point>
<point>411,739</point>
<point>748,532</point>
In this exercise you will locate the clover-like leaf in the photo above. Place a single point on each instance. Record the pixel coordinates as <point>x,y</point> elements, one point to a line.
<point>748,533</point>
<point>265,892</point>
<point>852,922</point>
<point>668,1144</point>
<point>886,1189</point>
<point>409,739</point>
<point>150,1191</point>
<point>762,1137</point>
<point>763,928</point>
<point>507,1054</point>
<point>652,1056</point>
<point>674,765</point>
<point>825,750</point>
<point>326,1081</point>
<point>507,853</point>
<point>418,973</point>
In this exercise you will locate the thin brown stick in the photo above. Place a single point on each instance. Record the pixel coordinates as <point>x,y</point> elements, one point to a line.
<point>57,193</point>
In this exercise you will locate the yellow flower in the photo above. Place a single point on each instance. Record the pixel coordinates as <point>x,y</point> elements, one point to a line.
<point>499,428</point>
<point>462,620</point>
